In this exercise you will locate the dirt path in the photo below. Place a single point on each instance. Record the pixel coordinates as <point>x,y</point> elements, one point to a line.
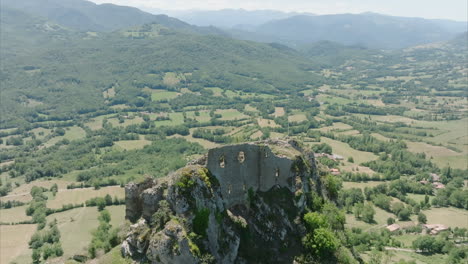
<point>400,249</point>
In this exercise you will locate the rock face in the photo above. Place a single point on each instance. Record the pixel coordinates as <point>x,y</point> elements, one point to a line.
<point>244,205</point>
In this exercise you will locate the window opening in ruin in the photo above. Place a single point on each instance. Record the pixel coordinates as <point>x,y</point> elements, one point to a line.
<point>244,188</point>
<point>277,173</point>
<point>241,157</point>
<point>222,162</point>
<point>266,154</point>
<point>229,188</point>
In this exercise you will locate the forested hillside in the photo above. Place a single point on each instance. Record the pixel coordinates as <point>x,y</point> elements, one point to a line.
<point>88,16</point>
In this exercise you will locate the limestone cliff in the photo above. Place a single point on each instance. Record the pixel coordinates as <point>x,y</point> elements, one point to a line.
<point>239,204</point>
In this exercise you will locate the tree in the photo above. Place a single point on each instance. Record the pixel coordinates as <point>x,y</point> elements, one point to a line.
<point>382,201</point>
<point>404,214</point>
<point>101,204</point>
<point>104,216</point>
<point>36,255</point>
<point>358,210</point>
<point>397,207</point>
<point>422,218</point>
<point>428,244</point>
<point>108,199</point>
<point>314,221</point>
<point>322,148</point>
<point>390,221</point>
<point>54,189</point>
<point>322,242</point>
<point>351,159</point>
<point>333,185</point>
<point>349,205</point>
<point>368,213</point>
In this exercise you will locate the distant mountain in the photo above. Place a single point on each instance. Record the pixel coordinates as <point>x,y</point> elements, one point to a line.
<point>229,18</point>
<point>330,54</point>
<point>368,29</point>
<point>22,33</point>
<point>87,16</point>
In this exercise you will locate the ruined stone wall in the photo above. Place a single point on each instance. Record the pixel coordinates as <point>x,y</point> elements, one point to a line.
<point>241,167</point>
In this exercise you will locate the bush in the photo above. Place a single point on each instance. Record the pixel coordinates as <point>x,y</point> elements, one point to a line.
<point>200,221</point>
<point>422,218</point>
<point>368,213</point>
<point>322,242</point>
<point>162,216</point>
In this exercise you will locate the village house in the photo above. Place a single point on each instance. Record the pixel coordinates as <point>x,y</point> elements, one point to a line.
<point>434,177</point>
<point>434,229</point>
<point>393,228</point>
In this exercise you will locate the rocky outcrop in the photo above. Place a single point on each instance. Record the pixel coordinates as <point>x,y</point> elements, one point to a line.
<point>240,204</point>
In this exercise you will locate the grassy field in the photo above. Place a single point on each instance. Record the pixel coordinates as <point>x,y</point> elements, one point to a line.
<point>78,196</point>
<point>346,151</point>
<point>452,132</point>
<point>279,111</point>
<point>230,114</point>
<point>203,142</point>
<point>204,115</point>
<point>216,91</point>
<point>338,126</point>
<point>160,95</point>
<point>362,185</point>
<point>96,123</point>
<point>71,133</point>
<point>114,257</point>
<point>267,123</point>
<point>380,137</point>
<point>441,156</point>
<point>380,218</point>
<point>132,144</point>
<point>256,135</point>
<point>297,118</point>
<point>451,217</point>
<point>21,193</point>
<point>418,258</point>
<point>127,121</point>
<point>175,119</point>
<point>13,215</point>
<point>324,98</point>
<point>41,132</point>
<point>14,241</point>
<point>250,108</point>
<point>76,226</point>
<point>418,197</point>
<point>406,240</point>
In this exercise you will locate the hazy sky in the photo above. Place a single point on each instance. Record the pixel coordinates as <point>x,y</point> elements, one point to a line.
<point>446,9</point>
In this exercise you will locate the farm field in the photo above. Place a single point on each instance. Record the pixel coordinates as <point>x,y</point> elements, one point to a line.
<point>451,217</point>
<point>160,95</point>
<point>77,224</point>
<point>79,196</point>
<point>14,241</point>
<point>344,150</point>
<point>441,156</point>
<point>22,193</point>
<point>14,215</point>
<point>132,144</point>
<point>380,218</point>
